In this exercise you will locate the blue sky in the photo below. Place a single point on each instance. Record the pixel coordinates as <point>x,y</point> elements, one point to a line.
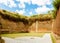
<point>27,7</point>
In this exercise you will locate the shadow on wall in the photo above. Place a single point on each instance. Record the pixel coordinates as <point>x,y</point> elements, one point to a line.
<point>2,41</point>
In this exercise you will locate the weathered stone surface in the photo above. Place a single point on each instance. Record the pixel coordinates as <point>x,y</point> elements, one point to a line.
<point>56,27</point>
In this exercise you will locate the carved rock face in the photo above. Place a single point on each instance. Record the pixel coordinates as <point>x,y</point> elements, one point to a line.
<point>56,27</point>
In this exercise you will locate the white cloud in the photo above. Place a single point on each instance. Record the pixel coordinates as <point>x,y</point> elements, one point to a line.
<point>3,2</point>
<point>38,2</point>
<point>43,9</point>
<point>9,3</point>
<point>26,1</point>
<point>41,2</point>
<point>48,2</point>
<point>31,13</point>
<point>22,5</point>
<point>12,4</point>
<point>20,11</point>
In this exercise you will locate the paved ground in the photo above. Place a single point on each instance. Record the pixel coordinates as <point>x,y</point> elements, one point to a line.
<point>45,39</point>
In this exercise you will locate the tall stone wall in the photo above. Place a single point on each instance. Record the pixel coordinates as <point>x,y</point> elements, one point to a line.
<point>56,27</point>
<point>9,26</point>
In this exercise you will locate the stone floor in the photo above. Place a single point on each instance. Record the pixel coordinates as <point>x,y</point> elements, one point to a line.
<point>45,39</point>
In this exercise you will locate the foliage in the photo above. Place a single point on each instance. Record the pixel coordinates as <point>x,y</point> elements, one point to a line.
<point>53,38</point>
<point>53,13</point>
<point>41,17</point>
<point>56,4</point>
<point>23,34</point>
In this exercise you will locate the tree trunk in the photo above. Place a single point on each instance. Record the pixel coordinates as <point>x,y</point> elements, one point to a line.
<point>56,27</point>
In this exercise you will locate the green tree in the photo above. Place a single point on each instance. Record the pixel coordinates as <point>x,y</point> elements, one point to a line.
<point>56,4</point>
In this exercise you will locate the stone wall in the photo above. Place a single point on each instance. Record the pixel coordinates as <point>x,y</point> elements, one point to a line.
<point>44,26</point>
<point>12,27</point>
<point>56,27</point>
